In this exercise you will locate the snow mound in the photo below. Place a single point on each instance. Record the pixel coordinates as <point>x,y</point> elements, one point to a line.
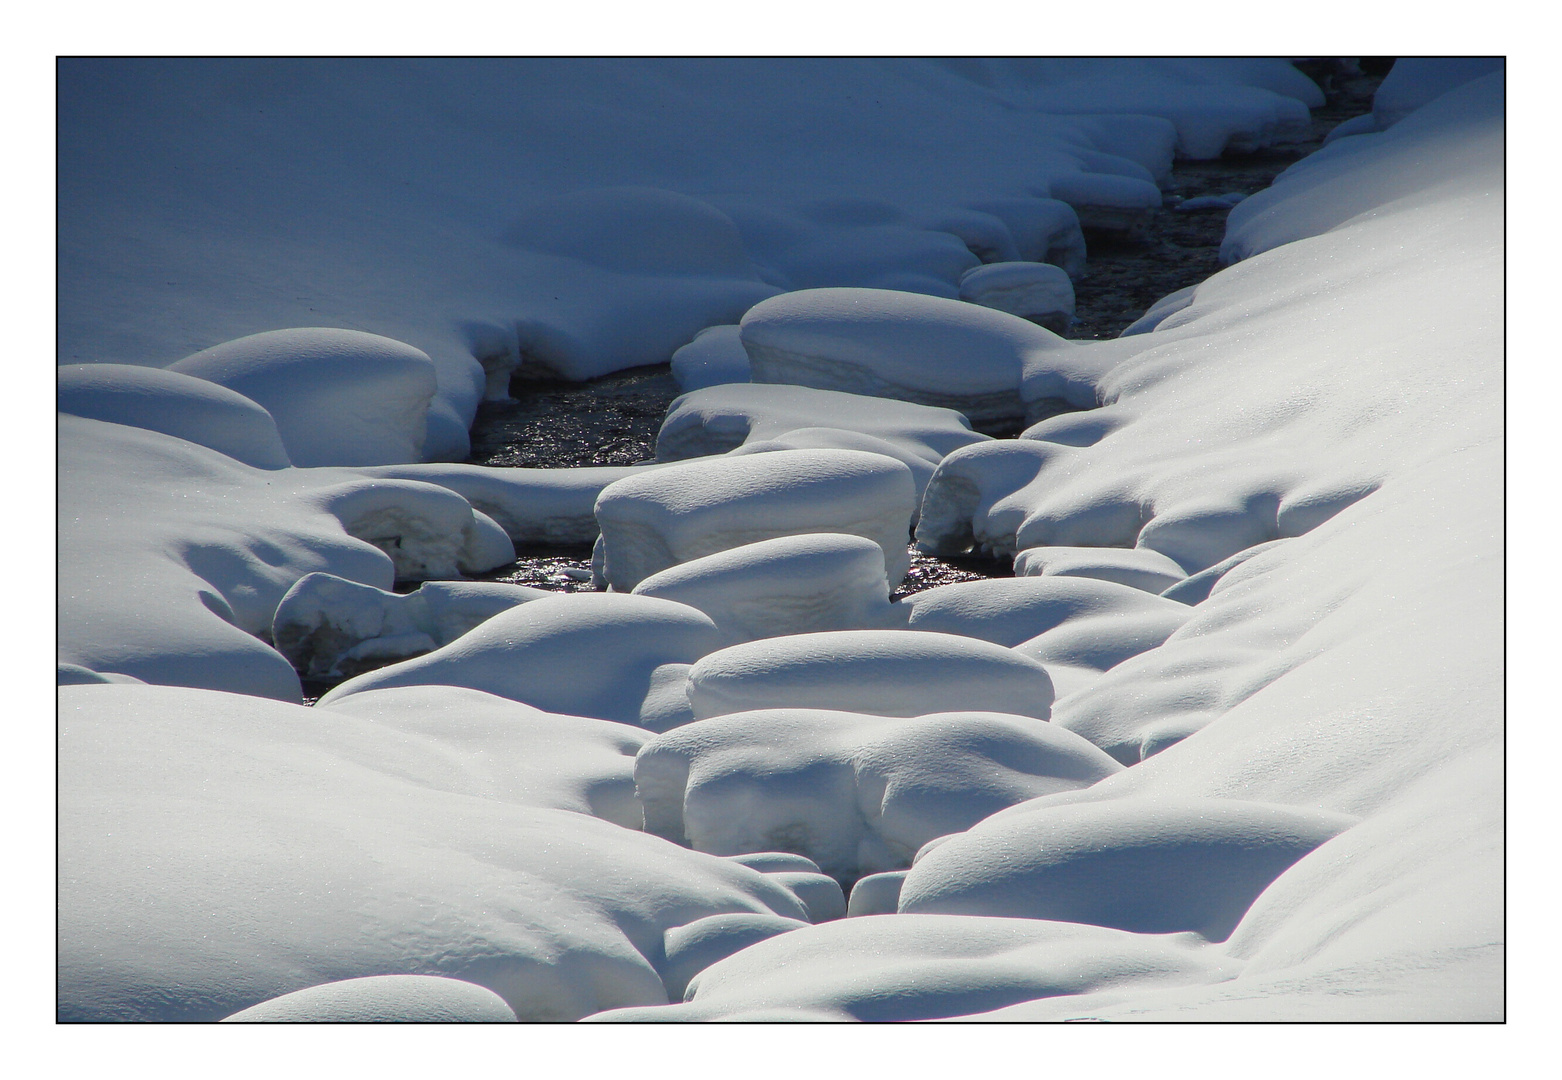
<point>329,627</point>
<point>1415,81</point>
<point>660,518</point>
<point>693,948</point>
<point>936,967</point>
<point>856,794</point>
<point>1150,866</point>
<point>876,894</point>
<point>789,585</point>
<point>1009,611</point>
<point>339,397</point>
<point>1138,568</point>
<point>1039,292</point>
<point>883,672</point>
<point>1160,311</point>
<point>584,654</point>
<point>175,404</point>
<point>382,999</point>
<point>882,343</point>
<point>217,851</point>
<point>713,358</point>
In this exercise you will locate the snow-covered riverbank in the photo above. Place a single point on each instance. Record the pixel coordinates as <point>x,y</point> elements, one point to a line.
<point>1229,746</point>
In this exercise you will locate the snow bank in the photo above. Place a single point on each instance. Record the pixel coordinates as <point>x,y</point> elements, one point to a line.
<point>789,585</point>
<point>884,672</point>
<point>660,518</point>
<point>339,397</point>
<point>329,627</point>
<point>382,999</point>
<point>857,794</point>
<point>1039,292</point>
<point>1151,866</point>
<point>935,967</point>
<point>174,404</point>
<point>217,851</point>
<point>583,654</point>
<point>882,343</point>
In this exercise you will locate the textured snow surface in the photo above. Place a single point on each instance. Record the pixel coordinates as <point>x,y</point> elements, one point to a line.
<point>217,851</point>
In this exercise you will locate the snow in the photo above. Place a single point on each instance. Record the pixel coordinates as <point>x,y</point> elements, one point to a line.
<point>1415,81</point>
<point>382,999</point>
<point>1036,291</point>
<point>693,948</point>
<point>1011,611</point>
<point>578,653</point>
<point>1152,866</point>
<point>331,627</point>
<point>658,519</point>
<point>219,850</point>
<point>884,672</point>
<point>175,404</point>
<point>1139,568</point>
<point>857,794</point>
<point>789,585</point>
<point>339,397</point>
<point>713,357</point>
<point>883,343</point>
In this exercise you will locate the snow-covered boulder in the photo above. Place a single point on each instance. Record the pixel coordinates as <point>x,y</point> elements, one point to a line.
<point>1136,567</point>
<point>937,967</point>
<point>1151,866</point>
<point>882,343</point>
<point>789,585</point>
<point>175,404</point>
<point>1037,291</point>
<point>884,672</point>
<point>382,999</point>
<point>1160,311</point>
<point>857,794</point>
<point>1415,81</point>
<point>1009,611</point>
<point>329,627</point>
<point>657,519</point>
<point>693,948</point>
<point>339,397</point>
<point>217,851</point>
<point>714,357</point>
<point>581,653</point>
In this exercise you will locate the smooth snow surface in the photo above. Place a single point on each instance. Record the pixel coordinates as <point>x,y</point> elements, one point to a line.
<point>715,356</point>
<point>857,794</point>
<point>660,518</point>
<point>382,999</point>
<point>1039,292</point>
<point>218,850</point>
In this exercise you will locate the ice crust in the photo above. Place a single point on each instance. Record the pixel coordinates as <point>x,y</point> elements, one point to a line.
<point>857,794</point>
<point>658,519</point>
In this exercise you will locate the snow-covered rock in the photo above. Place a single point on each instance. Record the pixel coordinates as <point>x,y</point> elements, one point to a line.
<point>1036,291</point>
<point>789,585</point>
<point>857,794</point>
<point>1138,568</point>
<point>217,851</point>
<point>882,343</point>
<point>713,357</point>
<point>175,404</point>
<point>1009,611</point>
<point>936,967</point>
<point>382,999</point>
<point>1415,81</point>
<point>659,518</point>
<point>884,672</point>
<point>329,627</point>
<point>693,948</point>
<point>1152,866</point>
<point>339,397</point>
<point>579,653</point>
